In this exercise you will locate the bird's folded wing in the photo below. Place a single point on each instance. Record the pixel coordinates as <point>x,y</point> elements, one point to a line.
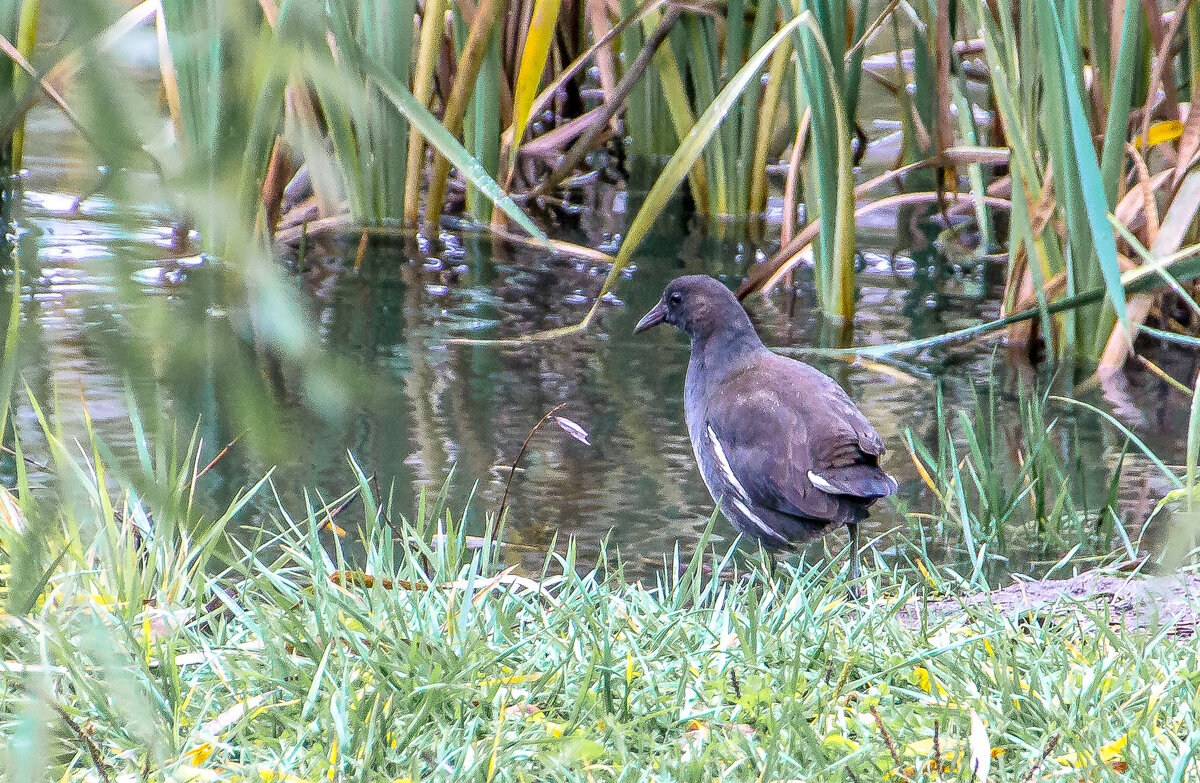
<point>800,459</point>
<point>768,457</point>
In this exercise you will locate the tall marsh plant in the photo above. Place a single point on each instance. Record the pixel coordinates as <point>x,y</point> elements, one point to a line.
<point>824,82</point>
<point>822,87</point>
<point>258,88</point>
<point>223,74</point>
<point>18,24</point>
<point>1048,117</point>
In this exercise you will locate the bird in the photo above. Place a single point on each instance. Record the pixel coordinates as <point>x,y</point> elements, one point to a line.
<point>782,448</point>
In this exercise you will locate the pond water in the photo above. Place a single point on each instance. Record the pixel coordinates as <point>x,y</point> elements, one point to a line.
<point>410,407</point>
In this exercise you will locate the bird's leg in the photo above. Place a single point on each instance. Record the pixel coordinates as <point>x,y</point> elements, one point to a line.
<point>855,544</point>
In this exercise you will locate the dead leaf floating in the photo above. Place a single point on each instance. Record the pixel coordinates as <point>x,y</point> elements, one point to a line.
<point>573,429</point>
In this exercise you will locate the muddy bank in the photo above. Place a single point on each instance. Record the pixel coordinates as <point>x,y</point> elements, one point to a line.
<point>1132,601</point>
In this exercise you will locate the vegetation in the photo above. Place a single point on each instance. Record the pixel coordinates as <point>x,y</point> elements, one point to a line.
<point>18,25</point>
<point>143,637</point>
<point>147,634</point>
<point>993,482</point>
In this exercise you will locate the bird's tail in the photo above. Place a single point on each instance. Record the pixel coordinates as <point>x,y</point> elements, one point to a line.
<point>868,482</point>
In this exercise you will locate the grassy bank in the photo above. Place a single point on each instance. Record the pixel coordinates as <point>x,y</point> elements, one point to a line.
<point>143,641</point>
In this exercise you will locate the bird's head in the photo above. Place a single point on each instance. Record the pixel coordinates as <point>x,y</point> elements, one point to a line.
<point>701,306</point>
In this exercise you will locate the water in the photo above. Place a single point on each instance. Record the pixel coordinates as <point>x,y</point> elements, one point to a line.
<point>105,284</point>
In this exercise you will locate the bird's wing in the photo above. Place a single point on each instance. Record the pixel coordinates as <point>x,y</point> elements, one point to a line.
<point>799,446</point>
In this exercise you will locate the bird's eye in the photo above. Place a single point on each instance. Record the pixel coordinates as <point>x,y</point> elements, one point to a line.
<point>676,298</point>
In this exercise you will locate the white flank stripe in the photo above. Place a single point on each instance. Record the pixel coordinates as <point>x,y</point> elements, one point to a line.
<point>727,470</point>
<point>757,520</point>
<point>823,485</point>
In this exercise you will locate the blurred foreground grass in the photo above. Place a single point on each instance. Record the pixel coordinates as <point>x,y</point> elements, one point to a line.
<point>141,642</point>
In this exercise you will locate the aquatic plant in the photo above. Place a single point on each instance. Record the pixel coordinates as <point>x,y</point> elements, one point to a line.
<point>18,90</point>
<point>351,122</point>
<point>992,482</point>
<point>1076,159</point>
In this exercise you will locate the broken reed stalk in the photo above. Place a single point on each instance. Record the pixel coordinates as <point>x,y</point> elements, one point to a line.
<point>587,141</point>
<point>513,470</point>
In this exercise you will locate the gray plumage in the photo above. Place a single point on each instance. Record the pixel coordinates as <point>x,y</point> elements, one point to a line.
<point>779,443</point>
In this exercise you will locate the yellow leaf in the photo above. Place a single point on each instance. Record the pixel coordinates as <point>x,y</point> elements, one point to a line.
<point>1160,132</point>
<point>1110,753</point>
<point>840,744</point>
<point>831,605</point>
<point>925,682</point>
<point>533,63</point>
<point>199,754</point>
<point>928,479</point>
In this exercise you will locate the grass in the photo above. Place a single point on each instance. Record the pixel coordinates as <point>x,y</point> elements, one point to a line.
<point>145,635</point>
<point>996,486</point>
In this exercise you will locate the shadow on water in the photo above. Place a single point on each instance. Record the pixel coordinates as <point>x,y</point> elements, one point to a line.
<point>114,310</point>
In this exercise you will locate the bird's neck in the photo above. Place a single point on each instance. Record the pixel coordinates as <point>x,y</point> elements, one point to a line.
<point>725,350</point>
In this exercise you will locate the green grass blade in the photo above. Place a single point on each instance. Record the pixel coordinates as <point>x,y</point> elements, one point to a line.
<point>437,135</point>
<point>1082,162</point>
<point>1113,153</point>
<point>675,95</point>
<point>831,150</point>
<point>8,361</point>
<point>1193,446</point>
<point>688,153</point>
<point>389,44</point>
<point>854,70</point>
<point>637,121</point>
<point>702,65</point>
<point>26,42</point>
<point>1134,439</point>
<point>486,126</point>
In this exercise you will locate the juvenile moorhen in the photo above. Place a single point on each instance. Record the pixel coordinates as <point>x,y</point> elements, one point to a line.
<point>780,445</point>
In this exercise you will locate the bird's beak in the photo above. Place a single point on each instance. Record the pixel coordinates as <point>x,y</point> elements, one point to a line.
<point>656,316</point>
